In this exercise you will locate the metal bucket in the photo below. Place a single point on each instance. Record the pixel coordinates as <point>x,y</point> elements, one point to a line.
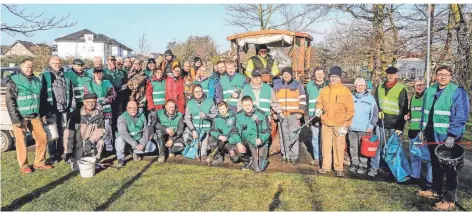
<point>450,157</point>
<point>50,128</point>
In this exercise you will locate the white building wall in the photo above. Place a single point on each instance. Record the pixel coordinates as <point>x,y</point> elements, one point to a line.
<point>80,50</point>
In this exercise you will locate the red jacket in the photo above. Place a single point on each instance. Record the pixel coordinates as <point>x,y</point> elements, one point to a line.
<point>175,91</point>
<point>149,90</point>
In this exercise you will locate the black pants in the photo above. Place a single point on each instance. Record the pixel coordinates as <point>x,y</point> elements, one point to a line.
<point>213,143</point>
<point>250,154</point>
<point>161,139</point>
<point>56,148</point>
<point>439,172</point>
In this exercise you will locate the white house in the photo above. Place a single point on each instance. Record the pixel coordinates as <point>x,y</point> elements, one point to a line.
<point>411,68</point>
<point>86,44</point>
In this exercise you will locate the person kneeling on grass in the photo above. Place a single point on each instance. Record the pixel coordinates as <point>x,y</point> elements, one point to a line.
<point>254,130</point>
<point>169,129</point>
<point>223,130</point>
<point>86,132</point>
<point>132,130</point>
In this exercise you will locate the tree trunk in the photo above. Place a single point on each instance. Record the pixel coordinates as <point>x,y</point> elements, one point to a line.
<point>447,46</point>
<point>395,36</point>
<point>377,25</point>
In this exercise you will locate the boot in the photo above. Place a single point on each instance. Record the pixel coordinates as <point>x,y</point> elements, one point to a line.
<point>444,206</point>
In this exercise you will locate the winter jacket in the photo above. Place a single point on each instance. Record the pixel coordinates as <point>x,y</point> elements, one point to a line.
<point>337,105</point>
<point>188,83</point>
<point>459,112</point>
<point>124,132</point>
<point>117,78</point>
<point>256,95</point>
<point>247,128</point>
<point>208,86</point>
<point>291,96</point>
<point>226,126</point>
<point>365,112</point>
<point>175,91</point>
<point>59,92</point>
<point>232,84</point>
<point>86,127</point>
<point>208,107</point>
<point>218,97</point>
<point>258,62</point>
<point>78,81</point>
<point>393,121</point>
<point>161,126</point>
<point>137,84</point>
<point>11,98</point>
<point>106,95</point>
<point>155,95</point>
<point>166,66</point>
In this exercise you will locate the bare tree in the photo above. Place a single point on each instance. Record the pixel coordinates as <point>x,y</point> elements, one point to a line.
<point>250,16</point>
<point>301,18</point>
<point>31,23</point>
<point>143,46</point>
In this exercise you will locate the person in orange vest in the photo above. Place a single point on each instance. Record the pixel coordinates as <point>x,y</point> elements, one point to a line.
<point>291,96</point>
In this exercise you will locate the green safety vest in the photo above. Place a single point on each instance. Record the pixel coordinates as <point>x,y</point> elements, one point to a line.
<point>29,93</point>
<point>50,98</point>
<point>149,72</point>
<point>116,77</point>
<point>195,110</point>
<point>247,126</point>
<point>158,92</point>
<point>264,96</point>
<point>78,83</point>
<point>442,107</point>
<point>101,91</point>
<point>134,129</point>
<point>230,87</point>
<point>416,106</point>
<point>204,85</point>
<point>389,104</point>
<point>313,92</point>
<point>170,123</point>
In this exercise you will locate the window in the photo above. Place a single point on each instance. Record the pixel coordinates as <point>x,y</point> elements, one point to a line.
<point>91,49</point>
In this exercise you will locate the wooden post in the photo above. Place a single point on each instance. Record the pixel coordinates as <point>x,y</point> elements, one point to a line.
<point>301,58</point>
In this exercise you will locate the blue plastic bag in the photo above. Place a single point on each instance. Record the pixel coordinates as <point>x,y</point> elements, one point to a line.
<point>396,159</point>
<point>191,151</point>
<point>420,151</point>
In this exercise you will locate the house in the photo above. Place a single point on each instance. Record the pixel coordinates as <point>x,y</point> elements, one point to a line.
<point>86,44</point>
<point>411,68</point>
<point>24,48</point>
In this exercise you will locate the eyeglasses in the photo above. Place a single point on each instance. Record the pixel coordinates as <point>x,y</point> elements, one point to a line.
<point>360,85</point>
<point>443,75</point>
<point>197,92</point>
<point>132,108</point>
<point>419,85</point>
<point>263,51</point>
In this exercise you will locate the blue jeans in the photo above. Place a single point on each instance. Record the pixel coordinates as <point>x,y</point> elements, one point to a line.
<point>315,141</point>
<point>416,166</point>
<point>375,161</point>
<point>120,146</point>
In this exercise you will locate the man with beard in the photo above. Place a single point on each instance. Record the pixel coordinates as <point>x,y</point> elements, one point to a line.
<point>60,103</point>
<point>262,61</point>
<point>169,130</point>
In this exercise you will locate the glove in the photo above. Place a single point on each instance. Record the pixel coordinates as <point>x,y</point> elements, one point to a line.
<point>450,142</point>
<point>381,115</point>
<point>398,132</point>
<point>342,131</point>
<point>88,146</point>
<point>105,101</point>
<point>318,112</point>
<point>123,87</point>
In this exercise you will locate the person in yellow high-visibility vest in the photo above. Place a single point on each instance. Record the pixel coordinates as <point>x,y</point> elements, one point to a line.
<point>262,61</point>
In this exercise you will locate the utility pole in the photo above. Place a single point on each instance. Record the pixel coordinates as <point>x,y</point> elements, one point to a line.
<point>428,54</point>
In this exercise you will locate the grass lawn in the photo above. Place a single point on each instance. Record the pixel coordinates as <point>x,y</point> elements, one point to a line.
<point>148,185</point>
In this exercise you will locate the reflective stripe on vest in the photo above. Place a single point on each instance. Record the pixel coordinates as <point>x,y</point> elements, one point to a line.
<point>135,129</point>
<point>442,107</point>
<point>264,96</point>
<point>158,92</point>
<point>101,91</point>
<point>416,106</point>
<point>204,85</point>
<point>29,92</point>
<point>47,77</point>
<point>78,82</point>
<point>195,110</point>
<point>170,123</point>
<point>229,87</point>
<point>389,103</point>
<point>289,100</point>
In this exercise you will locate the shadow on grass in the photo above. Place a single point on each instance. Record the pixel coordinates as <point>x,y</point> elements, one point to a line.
<point>316,205</point>
<point>276,200</point>
<point>20,202</point>
<point>120,191</point>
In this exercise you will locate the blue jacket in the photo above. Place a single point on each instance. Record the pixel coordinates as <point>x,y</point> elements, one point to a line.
<point>459,114</point>
<point>365,112</point>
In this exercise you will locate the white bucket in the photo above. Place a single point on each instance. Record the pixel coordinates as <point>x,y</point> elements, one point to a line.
<point>51,130</point>
<point>87,166</point>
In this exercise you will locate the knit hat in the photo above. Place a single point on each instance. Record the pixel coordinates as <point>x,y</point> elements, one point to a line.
<point>288,70</point>
<point>78,62</point>
<point>97,69</point>
<point>335,70</point>
<point>263,46</point>
<point>168,52</point>
<point>90,96</point>
<point>391,70</point>
<point>197,59</point>
<point>151,60</point>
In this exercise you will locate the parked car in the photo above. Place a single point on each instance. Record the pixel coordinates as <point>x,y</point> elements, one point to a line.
<point>6,128</point>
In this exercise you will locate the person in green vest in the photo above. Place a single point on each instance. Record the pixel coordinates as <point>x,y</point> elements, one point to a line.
<point>156,91</point>
<point>262,61</point>
<point>313,90</point>
<point>253,127</point>
<point>118,80</point>
<point>445,112</point>
<point>106,95</point>
<point>78,77</point>
<point>202,79</point>
<point>150,67</point>
<point>391,96</point>
<point>59,93</point>
<point>169,130</point>
<point>231,86</point>
<point>133,130</point>
<point>224,130</point>
<point>22,100</point>
<point>414,116</point>
<point>199,112</point>
<point>127,64</point>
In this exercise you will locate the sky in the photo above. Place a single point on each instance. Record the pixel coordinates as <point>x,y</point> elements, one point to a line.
<point>126,23</point>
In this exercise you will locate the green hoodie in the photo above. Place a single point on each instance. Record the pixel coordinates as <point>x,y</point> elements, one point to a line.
<point>225,125</point>
<point>247,126</point>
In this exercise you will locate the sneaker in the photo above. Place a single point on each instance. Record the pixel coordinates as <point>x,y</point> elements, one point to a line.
<point>413,181</point>
<point>361,170</point>
<point>315,163</point>
<point>353,168</point>
<point>26,170</point>
<point>444,206</point>
<point>74,166</point>
<point>121,163</point>
<point>284,160</point>
<point>339,174</point>
<point>247,165</point>
<point>428,194</point>
<point>42,166</point>
<point>322,171</point>
<point>137,157</point>
<point>171,155</point>
<point>161,159</point>
<point>372,172</point>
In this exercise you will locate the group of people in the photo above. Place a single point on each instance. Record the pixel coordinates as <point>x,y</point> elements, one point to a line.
<point>166,106</point>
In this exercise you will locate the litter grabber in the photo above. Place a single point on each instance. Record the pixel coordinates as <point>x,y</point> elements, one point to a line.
<point>282,137</point>
<point>212,155</point>
<point>293,135</point>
